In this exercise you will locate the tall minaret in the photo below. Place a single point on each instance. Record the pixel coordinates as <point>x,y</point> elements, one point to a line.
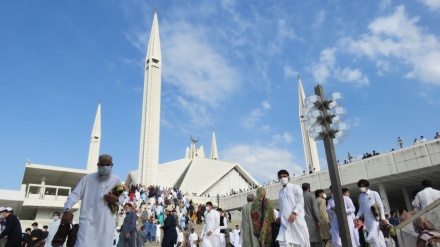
<point>149,146</point>
<point>214,152</point>
<point>310,150</point>
<point>95,141</point>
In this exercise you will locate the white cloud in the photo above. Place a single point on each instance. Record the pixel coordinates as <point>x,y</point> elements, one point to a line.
<point>319,19</point>
<point>348,75</point>
<point>195,67</point>
<point>326,68</point>
<point>265,105</point>
<point>288,72</point>
<point>398,37</point>
<point>431,4</point>
<point>197,113</point>
<point>255,115</point>
<point>285,138</point>
<point>321,71</point>
<point>384,4</point>
<point>263,162</point>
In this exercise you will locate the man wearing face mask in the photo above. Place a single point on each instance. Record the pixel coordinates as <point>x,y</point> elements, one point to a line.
<point>323,217</point>
<point>53,227</point>
<point>96,218</point>
<point>366,200</point>
<point>293,230</point>
<point>211,230</point>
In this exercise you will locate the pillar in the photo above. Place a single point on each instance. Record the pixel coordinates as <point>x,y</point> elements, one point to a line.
<point>383,195</point>
<point>406,198</point>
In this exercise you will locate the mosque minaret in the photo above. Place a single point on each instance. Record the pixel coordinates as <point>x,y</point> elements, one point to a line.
<point>95,142</point>
<point>310,150</point>
<point>149,143</point>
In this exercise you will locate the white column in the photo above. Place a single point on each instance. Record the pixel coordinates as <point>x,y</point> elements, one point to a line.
<point>406,198</point>
<point>383,195</point>
<point>42,187</point>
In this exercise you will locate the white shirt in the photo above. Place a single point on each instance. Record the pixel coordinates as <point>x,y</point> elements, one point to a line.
<point>95,218</point>
<point>425,197</point>
<point>291,200</point>
<point>193,239</point>
<point>53,228</point>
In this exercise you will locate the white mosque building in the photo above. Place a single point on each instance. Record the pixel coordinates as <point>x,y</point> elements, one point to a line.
<point>45,188</point>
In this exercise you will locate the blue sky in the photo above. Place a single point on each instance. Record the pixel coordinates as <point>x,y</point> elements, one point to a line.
<point>228,65</point>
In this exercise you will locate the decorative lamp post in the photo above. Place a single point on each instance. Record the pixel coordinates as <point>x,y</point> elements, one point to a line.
<point>324,122</point>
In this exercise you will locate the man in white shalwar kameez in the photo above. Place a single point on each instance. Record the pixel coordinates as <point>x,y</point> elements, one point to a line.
<point>349,209</point>
<point>96,221</point>
<point>366,199</point>
<point>211,230</point>
<point>236,233</point>
<point>193,238</point>
<point>53,228</point>
<point>425,197</point>
<point>293,230</point>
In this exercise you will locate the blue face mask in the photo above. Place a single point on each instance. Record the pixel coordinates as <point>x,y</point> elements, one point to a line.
<point>104,170</point>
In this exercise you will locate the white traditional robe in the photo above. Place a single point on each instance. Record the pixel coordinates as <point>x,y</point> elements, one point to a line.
<point>425,197</point>
<point>349,206</point>
<point>366,200</point>
<point>291,200</point>
<point>212,219</point>
<point>349,209</point>
<point>193,239</point>
<point>96,221</point>
<point>53,228</point>
<point>236,238</point>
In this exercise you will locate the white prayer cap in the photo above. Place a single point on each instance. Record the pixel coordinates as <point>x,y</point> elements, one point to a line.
<point>9,209</point>
<point>2,209</point>
<point>169,208</point>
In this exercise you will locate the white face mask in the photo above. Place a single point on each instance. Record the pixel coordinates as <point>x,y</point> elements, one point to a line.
<point>104,170</point>
<point>55,218</point>
<point>284,180</point>
<point>363,189</point>
<point>324,196</point>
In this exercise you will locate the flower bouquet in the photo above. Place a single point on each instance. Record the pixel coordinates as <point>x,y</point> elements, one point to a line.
<point>117,191</point>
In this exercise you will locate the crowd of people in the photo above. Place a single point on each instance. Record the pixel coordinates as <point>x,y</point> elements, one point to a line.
<point>167,217</point>
<point>311,219</point>
<point>399,142</point>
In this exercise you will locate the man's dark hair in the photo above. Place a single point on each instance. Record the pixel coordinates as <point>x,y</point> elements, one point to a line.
<point>27,229</point>
<point>392,212</point>
<point>426,183</point>
<point>281,172</point>
<point>35,224</point>
<point>363,183</point>
<point>128,204</point>
<point>209,203</point>
<point>250,197</point>
<point>57,213</point>
<point>220,209</point>
<point>45,227</point>
<point>344,190</point>
<point>317,192</point>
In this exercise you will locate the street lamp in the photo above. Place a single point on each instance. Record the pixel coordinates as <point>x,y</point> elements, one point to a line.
<point>324,121</point>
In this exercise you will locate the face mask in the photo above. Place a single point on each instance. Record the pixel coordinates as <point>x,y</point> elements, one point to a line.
<point>284,181</point>
<point>2,216</point>
<point>55,218</point>
<point>363,189</point>
<point>324,196</point>
<point>104,170</point>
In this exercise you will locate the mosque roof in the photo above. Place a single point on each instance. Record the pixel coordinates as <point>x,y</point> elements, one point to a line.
<point>194,175</point>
